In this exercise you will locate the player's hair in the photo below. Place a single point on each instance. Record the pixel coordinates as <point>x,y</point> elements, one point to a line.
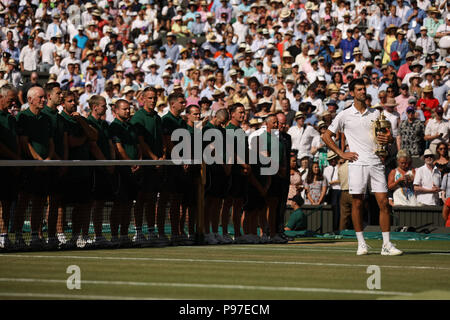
<point>355,82</point>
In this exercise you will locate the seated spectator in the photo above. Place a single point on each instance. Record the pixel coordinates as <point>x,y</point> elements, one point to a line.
<point>297,220</point>
<point>296,184</point>
<point>442,158</point>
<point>427,181</point>
<point>316,185</point>
<point>400,181</point>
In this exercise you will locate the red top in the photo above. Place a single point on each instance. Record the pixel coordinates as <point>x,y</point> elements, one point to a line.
<point>429,103</point>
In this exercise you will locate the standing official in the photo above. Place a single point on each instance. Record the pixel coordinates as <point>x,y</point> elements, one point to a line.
<point>9,150</point>
<point>36,140</point>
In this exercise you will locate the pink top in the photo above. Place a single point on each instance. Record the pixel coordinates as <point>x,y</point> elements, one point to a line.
<point>192,100</point>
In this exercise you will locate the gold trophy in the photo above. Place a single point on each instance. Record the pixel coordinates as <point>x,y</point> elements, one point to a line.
<point>381,125</point>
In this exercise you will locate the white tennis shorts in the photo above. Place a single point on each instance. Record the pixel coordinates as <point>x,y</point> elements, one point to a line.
<point>359,177</point>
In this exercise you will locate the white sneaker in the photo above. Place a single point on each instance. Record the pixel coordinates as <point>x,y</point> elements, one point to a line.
<point>227,239</point>
<point>363,249</point>
<point>278,239</point>
<point>210,238</point>
<point>390,250</point>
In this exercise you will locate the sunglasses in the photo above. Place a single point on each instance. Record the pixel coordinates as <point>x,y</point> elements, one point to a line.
<point>428,156</point>
<point>442,149</point>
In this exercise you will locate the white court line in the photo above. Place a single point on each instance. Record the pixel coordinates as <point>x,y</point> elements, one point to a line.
<point>213,286</point>
<point>71,296</point>
<point>302,248</point>
<point>224,261</point>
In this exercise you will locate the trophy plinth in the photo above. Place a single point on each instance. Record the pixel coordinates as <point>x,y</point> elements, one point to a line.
<point>381,125</point>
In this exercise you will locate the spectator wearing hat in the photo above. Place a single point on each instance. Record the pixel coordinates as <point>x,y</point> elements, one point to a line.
<point>427,181</point>
<point>437,129</point>
<point>13,75</point>
<point>433,21</point>
<point>302,135</point>
<point>54,27</point>
<point>414,81</point>
<point>369,46</point>
<point>389,21</point>
<point>428,102</point>
<point>425,41</point>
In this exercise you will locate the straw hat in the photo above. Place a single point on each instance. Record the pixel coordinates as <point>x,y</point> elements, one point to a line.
<point>299,115</point>
<point>428,89</point>
<point>331,155</point>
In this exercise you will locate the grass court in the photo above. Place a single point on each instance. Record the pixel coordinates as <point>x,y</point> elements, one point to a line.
<point>306,268</point>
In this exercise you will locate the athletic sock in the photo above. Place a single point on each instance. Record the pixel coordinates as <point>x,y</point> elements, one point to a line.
<point>360,237</point>
<point>386,238</point>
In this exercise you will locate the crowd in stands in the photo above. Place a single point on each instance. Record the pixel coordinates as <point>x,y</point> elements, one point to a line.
<point>106,73</point>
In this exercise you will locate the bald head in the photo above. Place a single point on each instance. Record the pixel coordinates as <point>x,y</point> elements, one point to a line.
<point>282,122</point>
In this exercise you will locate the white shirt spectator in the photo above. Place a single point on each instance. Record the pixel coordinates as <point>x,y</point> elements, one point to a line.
<point>302,138</point>
<point>48,50</point>
<point>29,57</point>
<point>434,127</point>
<point>427,178</point>
<point>394,119</point>
<point>331,174</point>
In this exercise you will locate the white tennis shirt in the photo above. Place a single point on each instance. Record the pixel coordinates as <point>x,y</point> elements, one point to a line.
<point>357,128</point>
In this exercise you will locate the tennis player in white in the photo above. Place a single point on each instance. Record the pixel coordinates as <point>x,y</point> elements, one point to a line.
<point>365,167</point>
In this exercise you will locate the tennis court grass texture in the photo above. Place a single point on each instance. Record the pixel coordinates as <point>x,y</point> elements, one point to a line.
<point>303,269</point>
